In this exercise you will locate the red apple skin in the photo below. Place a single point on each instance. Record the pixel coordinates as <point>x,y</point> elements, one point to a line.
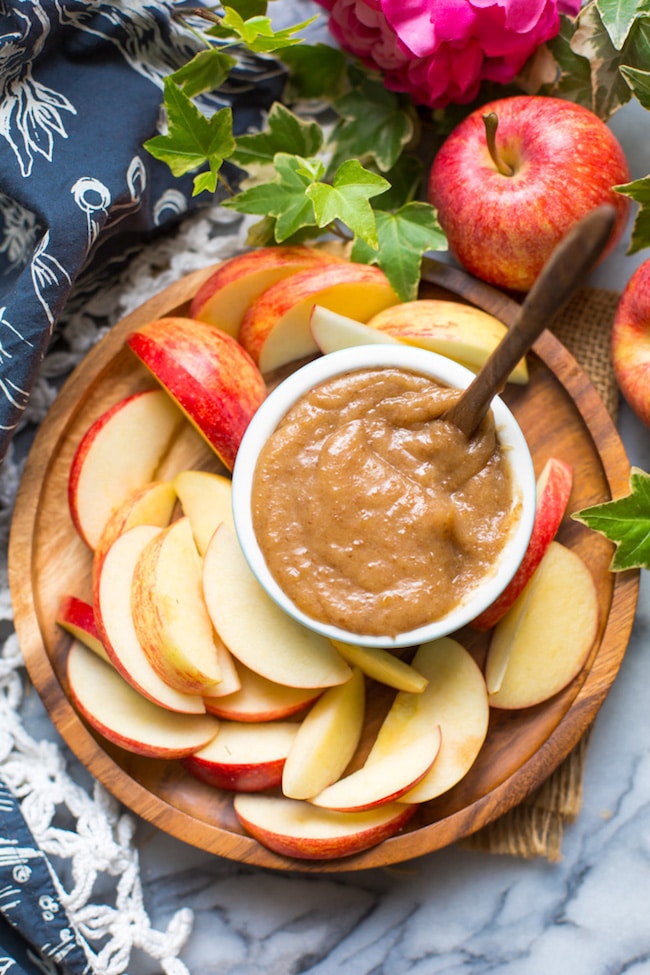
<point>209,375</point>
<point>554,490</point>
<point>631,342</point>
<point>503,228</point>
<point>252,777</point>
<point>78,617</point>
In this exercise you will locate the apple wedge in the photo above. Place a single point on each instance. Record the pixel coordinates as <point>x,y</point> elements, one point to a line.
<point>295,828</point>
<point>120,451</point>
<point>332,331</point>
<point>169,613</point>
<point>461,332</point>
<point>244,757</point>
<point>275,329</point>
<point>254,628</point>
<point>206,499</point>
<point>223,299</point>
<point>77,617</point>
<point>207,373</point>
<point>544,639</point>
<point>326,741</point>
<point>553,492</point>
<point>456,700</point>
<point>119,713</point>
<point>112,587</point>
<point>259,699</point>
<point>382,666</point>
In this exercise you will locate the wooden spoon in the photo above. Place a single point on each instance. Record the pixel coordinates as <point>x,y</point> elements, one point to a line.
<point>560,277</point>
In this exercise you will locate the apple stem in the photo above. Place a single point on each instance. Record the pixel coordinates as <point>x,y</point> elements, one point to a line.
<point>491,122</point>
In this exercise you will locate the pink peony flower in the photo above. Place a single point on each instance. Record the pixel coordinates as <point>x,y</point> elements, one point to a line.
<point>439,51</point>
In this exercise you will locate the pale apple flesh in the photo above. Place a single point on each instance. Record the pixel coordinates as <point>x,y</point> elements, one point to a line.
<point>294,828</point>
<point>544,640</point>
<point>206,499</point>
<point>259,699</point>
<point>383,666</point>
<point>332,331</point>
<point>123,716</point>
<point>630,343</point>
<point>244,757</point>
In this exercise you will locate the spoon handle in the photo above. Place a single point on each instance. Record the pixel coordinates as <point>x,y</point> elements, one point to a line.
<point>562,274</point>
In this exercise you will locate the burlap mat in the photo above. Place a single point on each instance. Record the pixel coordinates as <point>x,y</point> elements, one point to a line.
<point>535,827</point>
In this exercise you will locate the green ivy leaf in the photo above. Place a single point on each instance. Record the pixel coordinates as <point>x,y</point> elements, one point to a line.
<point>592,41</point>
<point>283,197</point>
<point>626,522</point>
<point>256,33</point>
<point>375,124</point>
<point>639,191</point>
<point>249,8</point>
<point>618,16</point>
<point>346,199</point>
<point>315,71</point>
<point>574,82</point>
<point>285,132</point>
<point>639,82</point>
<point>193,140</point>
<point>206,71</point>
<point>403,238</point>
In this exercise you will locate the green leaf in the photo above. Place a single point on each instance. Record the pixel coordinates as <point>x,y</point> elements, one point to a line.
<point>618,16</point>
<point>315,71</point>
<point>405,178</point>
<point>375,124</point>
<point>347,199</point>
<point>206,71</point>
<point>403,238</point>
<point>285,132</point>
<point>283,197</point>
<point>639,82</point>
<point>574,82</point>
<point>639,191</point>
<point>256,33</point>
<point>248,8</point>
<point>626,522</point>
<point>591,40</point>
<point>192,140</point>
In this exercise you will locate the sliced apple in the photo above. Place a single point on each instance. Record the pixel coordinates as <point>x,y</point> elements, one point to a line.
<point>244,757</point>
<point>207,373</point>
<point>543,641</point>
<point>120,451</point>
<point>461,332</point>
<point>295,828</point>
<point>254,628</point>
<point>149,504</point>
<point>77,617</point>
<point>332,331</point>
<point>382,666</point>
<point>189,450</point>
<point>206,499</point>
<point>553,492</point>
<point>326,741</point>
<point>169,613</point>
<point>223,299</point>
<point>119,713</point>
<point>259,699</point>
<point>456,700</point>
<point>112,587</point>
<point>275,329</point>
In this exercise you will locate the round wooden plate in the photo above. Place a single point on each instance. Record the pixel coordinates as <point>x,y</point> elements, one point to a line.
<point>560,413</point>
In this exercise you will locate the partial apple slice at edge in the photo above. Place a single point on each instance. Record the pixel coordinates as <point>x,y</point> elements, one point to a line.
<point>244,757</point>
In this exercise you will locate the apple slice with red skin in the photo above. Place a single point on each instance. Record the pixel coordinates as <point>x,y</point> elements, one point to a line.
<point>275,329</point>
<point>112,588</point>
<point>77,617</point>
<point>244,757</point>
<point>206,499</point>
<point>630,342</point>
<point>119,713</point>
<point>224,298</point>
<point>120,451</point>
<point>554,486</point>
<point>544,640</point>
<point>295,828</point>
<point>259,699</point>
<point>207,373</point>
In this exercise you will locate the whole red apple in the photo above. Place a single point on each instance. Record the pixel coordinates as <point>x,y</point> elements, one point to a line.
<point>515,175</point>
<point>631,342</point>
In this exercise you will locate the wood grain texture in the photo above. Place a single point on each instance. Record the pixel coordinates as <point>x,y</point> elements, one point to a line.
<point>560,413</point>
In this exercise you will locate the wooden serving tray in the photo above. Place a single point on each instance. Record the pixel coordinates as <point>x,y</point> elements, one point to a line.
<point>561,415</point>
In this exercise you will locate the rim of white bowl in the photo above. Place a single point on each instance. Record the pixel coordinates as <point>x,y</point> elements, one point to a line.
<point>428,363</point>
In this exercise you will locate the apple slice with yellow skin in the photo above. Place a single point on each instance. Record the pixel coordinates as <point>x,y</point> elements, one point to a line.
<point>114,709</point>
<point>553,492</point>
<point>326,741</point>
<point>456,700</point>
<point>254,628</point>
<point>77,617</point>
<point>206,499</point>
<point>382,666</point>
<point>295,828</point>
<point>207,373</point>
<point>120,451</point>
<point>332,331</point>
<point>275,329</point>
<point>224,298</point>
<point>544,640</point>
<point>259,699</point>
<point>169,613</point>
<point>112,587</point>
<point>244,757</point>
<point>461,332</point>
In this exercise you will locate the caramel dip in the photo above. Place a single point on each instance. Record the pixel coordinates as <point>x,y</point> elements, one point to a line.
<point>373,514</point>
